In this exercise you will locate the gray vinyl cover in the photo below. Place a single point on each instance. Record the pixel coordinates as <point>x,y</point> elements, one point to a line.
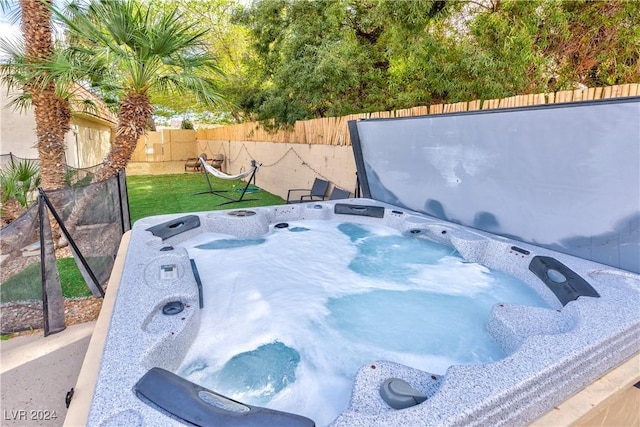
<point>564,176</point>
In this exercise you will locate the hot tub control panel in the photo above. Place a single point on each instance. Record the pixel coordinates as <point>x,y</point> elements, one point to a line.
<point>168,272</point>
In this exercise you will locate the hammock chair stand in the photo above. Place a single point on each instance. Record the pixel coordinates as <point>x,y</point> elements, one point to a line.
<point>252,178</point>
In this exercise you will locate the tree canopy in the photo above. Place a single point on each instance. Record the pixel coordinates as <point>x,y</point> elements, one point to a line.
<point>21,69</point>
<point>308,59</point>
<point>284,60</point>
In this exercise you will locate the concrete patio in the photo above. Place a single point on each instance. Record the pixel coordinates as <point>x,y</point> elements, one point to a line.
<point>36,373</point>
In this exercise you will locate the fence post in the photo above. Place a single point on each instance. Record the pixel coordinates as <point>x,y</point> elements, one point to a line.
<point>52,320</point>
<point>123,198</point>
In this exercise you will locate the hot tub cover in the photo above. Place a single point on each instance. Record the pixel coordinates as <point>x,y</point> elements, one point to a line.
<point>563,176</point>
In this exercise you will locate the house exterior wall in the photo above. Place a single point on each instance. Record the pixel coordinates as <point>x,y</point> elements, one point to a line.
<point>17,130</point>
<point>87,143</point>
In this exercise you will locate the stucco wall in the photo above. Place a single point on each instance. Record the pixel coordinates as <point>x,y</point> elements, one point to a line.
<point>286,166</point>
<point>17,130</point>
<point>87,143</point>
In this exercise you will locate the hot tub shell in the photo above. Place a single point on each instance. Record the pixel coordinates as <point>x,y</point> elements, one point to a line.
<point>551,353</point>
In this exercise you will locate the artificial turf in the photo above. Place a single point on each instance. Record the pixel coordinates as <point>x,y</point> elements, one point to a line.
<point>148,195</point>
<point>27,284</point>
<point>164,194</point>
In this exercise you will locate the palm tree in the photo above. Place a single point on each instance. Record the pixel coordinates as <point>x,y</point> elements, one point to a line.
<point>17,183</point>
<point>133,49</point>
<point>52,112</point>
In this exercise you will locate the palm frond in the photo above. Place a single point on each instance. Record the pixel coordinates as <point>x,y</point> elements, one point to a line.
<point>18,180</point>
<point>14,75</point>
<point>140,43</point>
<point>21,102</point>
<point>88,106</point>
<point>11,10</point>
<point>206,90</point>
<point>12,49</point>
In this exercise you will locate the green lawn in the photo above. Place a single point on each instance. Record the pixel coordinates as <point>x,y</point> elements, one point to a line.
<point>27,285</point>
<point>148,195</point>
<point>163,194</point>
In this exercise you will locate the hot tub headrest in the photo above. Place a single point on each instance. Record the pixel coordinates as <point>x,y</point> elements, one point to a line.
<point>175,226</point>
<point>199,406</point>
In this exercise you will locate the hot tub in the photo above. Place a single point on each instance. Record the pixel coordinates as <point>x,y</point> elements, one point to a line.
<point>537,209</point>
<point>583,322</point>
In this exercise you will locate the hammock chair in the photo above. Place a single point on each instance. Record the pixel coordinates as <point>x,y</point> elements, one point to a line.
<point>208,169</point>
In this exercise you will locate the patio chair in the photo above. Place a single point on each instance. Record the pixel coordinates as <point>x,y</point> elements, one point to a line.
<point>217,161</point>
<point>339,193</point>
<point>194,163</point>
<point>317,192</point>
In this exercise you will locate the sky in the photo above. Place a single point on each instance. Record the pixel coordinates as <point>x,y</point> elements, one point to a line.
<point>6,29</point>
<point>8,32</point>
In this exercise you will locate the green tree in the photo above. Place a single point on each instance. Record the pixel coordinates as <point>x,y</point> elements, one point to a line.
<point>455,60</point>
<point>600,44</point>
<point>324,58</point>
<point>335,57</point>
<point>501,48</point>
<point>223,40</point>
<point>18,182</point>
<point>128,49</point>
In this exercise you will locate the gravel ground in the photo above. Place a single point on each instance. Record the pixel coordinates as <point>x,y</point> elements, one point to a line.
<point>75,311</point>
<point>28,315</point>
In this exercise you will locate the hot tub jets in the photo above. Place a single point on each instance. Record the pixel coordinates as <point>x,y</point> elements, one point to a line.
<point>172,308</point>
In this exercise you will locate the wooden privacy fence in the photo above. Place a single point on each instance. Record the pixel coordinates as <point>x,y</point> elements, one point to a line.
<point>333,130</point>
<point>178,144</point>
<point>165,146</point>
